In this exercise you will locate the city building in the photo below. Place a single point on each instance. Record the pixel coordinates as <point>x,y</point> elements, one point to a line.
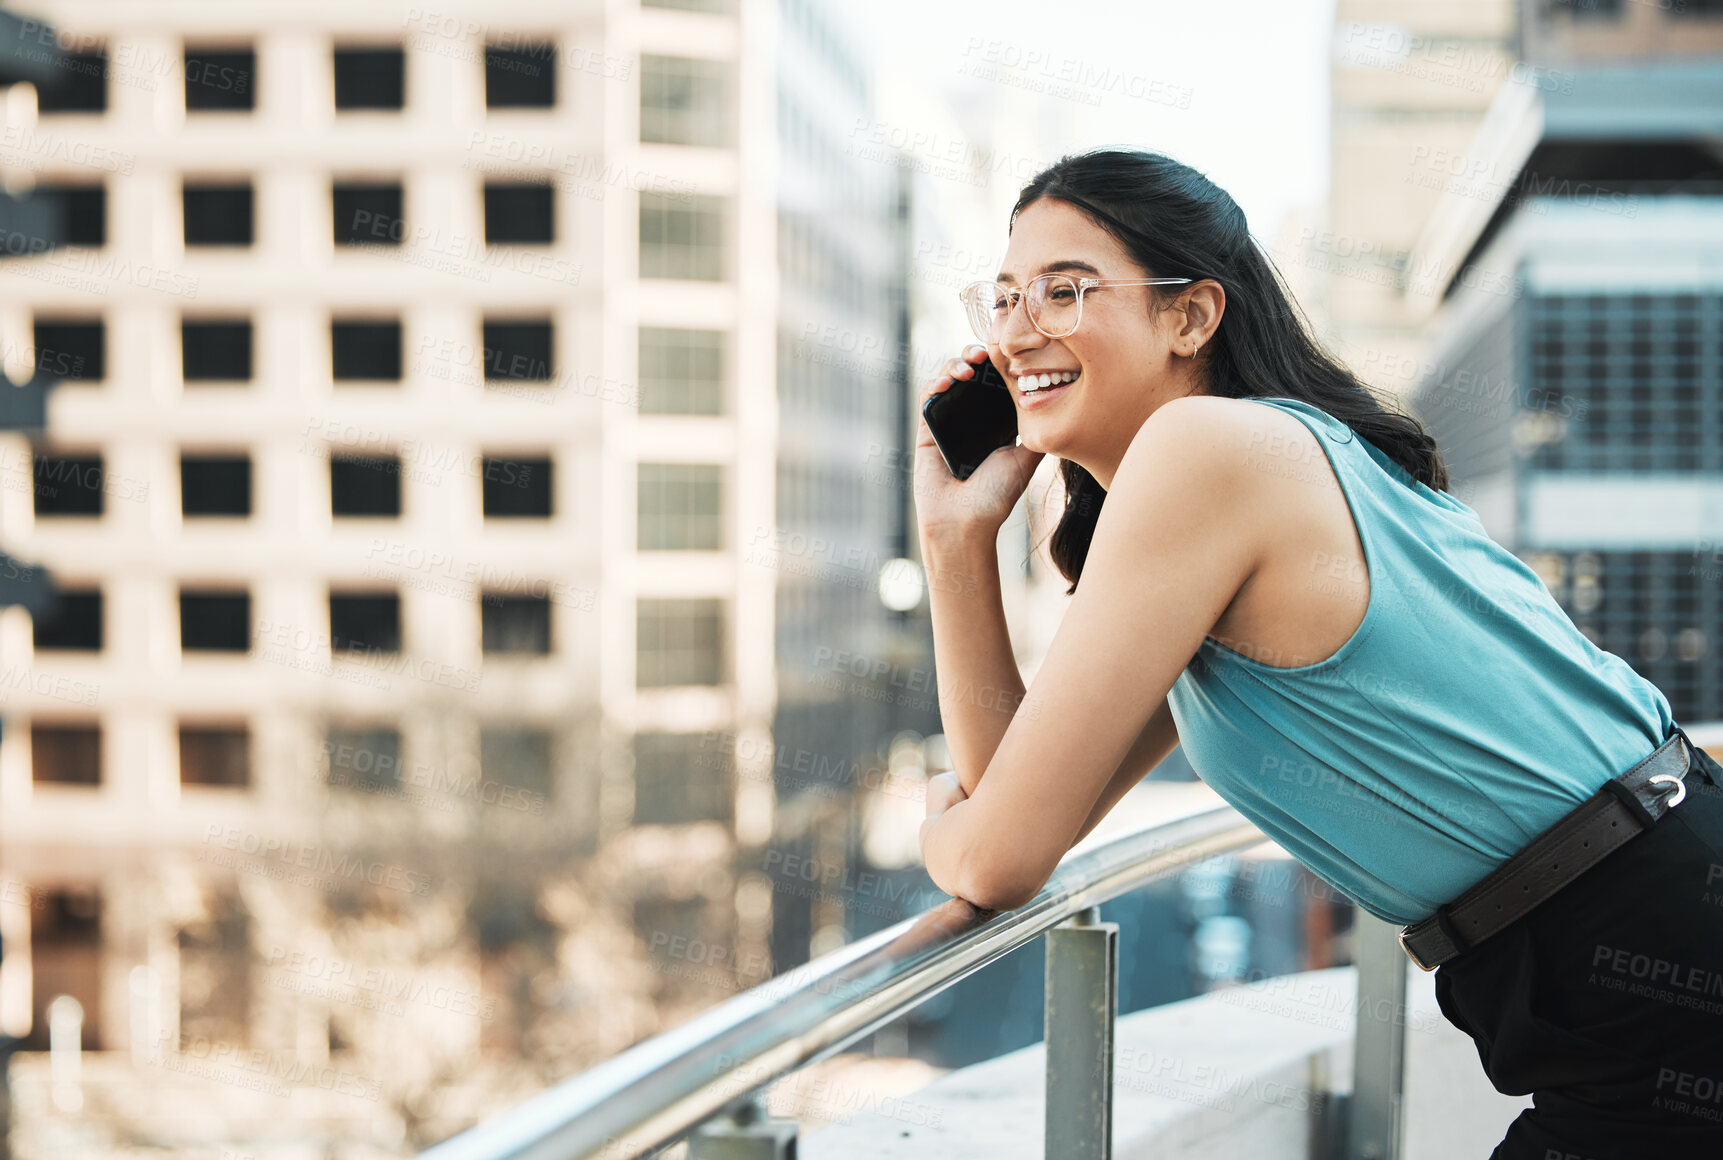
<point>1572,284</point>
<point>418,412</point>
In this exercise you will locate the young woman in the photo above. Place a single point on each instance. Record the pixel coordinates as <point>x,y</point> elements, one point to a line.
<point>1274,574</point>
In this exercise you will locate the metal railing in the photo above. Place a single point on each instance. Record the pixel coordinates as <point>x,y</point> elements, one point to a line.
<point>702,1077</point>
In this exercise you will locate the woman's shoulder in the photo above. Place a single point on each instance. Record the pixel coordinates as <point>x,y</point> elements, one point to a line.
<point>1239,429</point>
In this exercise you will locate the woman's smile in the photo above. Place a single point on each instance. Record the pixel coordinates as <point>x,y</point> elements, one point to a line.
<point>1039,390</point>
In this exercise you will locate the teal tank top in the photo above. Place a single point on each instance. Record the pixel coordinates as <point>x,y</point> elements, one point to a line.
<point>1465,715</point>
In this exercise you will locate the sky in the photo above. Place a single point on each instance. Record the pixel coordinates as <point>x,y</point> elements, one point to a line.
<point>1236,88</point>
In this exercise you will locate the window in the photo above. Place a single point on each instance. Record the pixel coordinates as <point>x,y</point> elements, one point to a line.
<point>679,642</point>
<point>680,506</point>
<point>214,621</point>
<point>74,349</point>
<point>680,777</point>
<point>517,212</point>
<point>515,624</point>
<point>215,351</point>
<point>516,757</point>
<point>517,487</point>
<point>370,78</point>
<point>217,215</point>
<point>364,622</point>
<point>75,622</point>
<point>681,371</point>
<point>215,967</point>
<point>517,349</point>
<point>215,485</point>
<point>66,754</point>
<point>69,485</point>
<point>365,351</point>
<point>83,212</point>
<point>684,101</point>
<point>368,214</point>
<point>214,755</point>
<point>365,485</point>
<point>363,758</point>
<point>520,78</point>
<point>220,80</point>
<point>681,236</point>
<point>80,87</point>
<point>66,946</point>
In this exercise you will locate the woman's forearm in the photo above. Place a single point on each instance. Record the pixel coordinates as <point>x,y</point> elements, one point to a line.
<point>980,686</point>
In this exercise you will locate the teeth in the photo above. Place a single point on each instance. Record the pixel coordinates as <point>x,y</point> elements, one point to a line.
<point>1042,382</point>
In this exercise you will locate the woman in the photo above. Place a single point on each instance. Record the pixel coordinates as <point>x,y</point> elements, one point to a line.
<point>1274,573</point>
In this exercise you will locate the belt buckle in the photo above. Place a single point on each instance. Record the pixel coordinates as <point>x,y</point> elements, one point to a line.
<point>1413,955</point>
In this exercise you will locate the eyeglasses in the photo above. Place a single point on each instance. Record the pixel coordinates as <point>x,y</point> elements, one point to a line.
<point>1054,301</point>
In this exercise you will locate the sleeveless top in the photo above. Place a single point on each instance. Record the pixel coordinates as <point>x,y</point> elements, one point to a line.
<point>1465,715</point>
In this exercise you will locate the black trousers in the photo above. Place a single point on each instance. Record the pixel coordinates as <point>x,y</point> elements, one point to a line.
<point>1605,1003</point>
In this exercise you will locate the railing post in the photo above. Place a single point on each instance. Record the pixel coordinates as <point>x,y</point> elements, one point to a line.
<point>1379,1040</point>
<point>1082,1006</point>
<point>744,1130</point>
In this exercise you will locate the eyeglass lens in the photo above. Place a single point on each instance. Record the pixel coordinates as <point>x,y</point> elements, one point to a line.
<point>1052,301</point>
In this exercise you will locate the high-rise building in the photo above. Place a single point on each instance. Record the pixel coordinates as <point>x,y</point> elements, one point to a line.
<point>420,407</point>
<point>1575,283</point>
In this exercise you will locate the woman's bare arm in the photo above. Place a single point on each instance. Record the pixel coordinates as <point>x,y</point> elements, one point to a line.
<point>980,686</point>
<point>1153,744</point>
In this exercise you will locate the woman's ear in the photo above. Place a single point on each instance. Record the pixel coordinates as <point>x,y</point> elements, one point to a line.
<point>1203,304</point>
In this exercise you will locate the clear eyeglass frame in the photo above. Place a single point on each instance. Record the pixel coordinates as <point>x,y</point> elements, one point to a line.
<point>975,298</point>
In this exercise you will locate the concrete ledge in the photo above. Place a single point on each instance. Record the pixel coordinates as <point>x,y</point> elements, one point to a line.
<point>1242,1072</point>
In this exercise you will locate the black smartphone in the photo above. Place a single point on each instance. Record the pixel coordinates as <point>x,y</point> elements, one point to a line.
<point>971,419</point>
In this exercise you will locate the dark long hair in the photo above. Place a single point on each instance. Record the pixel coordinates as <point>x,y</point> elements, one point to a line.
<point>1177,223</point>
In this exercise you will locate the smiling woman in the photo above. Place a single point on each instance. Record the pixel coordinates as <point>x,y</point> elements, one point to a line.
<point>1274,574</point>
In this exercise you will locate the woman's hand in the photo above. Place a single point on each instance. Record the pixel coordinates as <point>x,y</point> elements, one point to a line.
<point>943,792</point>
<point>982,502</point>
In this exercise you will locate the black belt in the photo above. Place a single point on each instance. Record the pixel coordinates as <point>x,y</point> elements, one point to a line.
<point>1624,808</point>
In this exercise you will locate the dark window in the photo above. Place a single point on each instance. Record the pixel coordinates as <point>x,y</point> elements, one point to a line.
<point>370,78</point>
<point>517,350</point>
<point>66,946</point>
<point>364,759</point>
<point>517,487</point>
<point>365,351</point>
<point>68,485</point>
<point>83,212</point>
<point>516,757</point>
<point>72,349</point>
<point>75,623</point>
<point>215,351</point>
<point>217,215</point>
<point>1694,8</point>
<point>515,624</point>
<point>519,212</point>
<point>215,621</point>
<point>66,754</point>
<point>215,485</point>
<point>214,755</point>
<point>81,86</point>
<point>368,214</point>
<point>364,485</point>
<point>365,621</point>
<point>680,777</point>
<point>520,78</point>
<point>220,79</point>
